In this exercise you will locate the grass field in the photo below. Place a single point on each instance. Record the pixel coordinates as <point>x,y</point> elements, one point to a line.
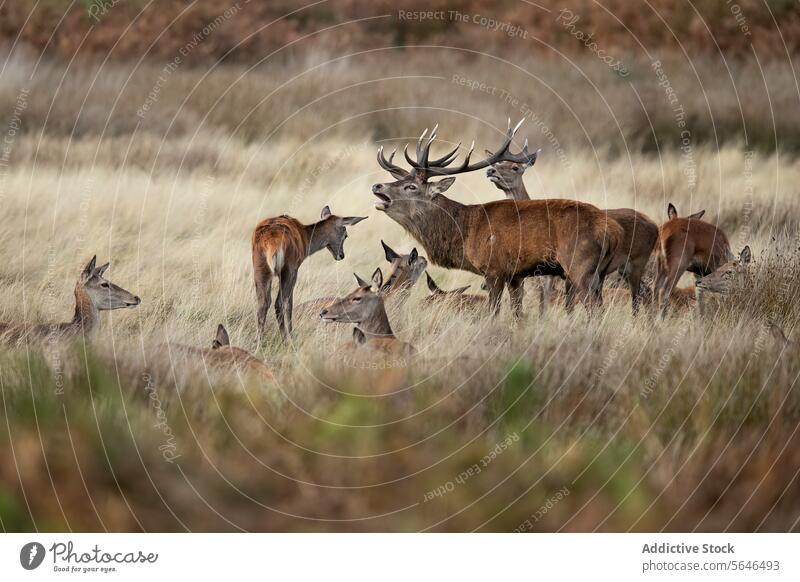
<point>564,423</point>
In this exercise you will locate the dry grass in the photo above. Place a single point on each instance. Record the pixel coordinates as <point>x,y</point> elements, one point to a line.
<point>677,424</point>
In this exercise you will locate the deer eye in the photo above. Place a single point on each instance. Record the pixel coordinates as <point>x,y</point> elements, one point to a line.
<point>411,187</point>
<point>515,168</point>
<point>356,299</point>
<point>104,285</point>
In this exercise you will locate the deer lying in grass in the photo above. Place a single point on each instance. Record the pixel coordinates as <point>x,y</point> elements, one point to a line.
<point>639,232</point>
<point>455,298</point>
<point>504,241</point>
<point>222,355</point>
<point>687,244</point>
<point>93,294</point>
<point>364,307</point>
<point>405,270</point>
<point>280,245</point>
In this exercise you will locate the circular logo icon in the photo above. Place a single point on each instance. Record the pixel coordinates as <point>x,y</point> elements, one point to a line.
<point>31,555</point>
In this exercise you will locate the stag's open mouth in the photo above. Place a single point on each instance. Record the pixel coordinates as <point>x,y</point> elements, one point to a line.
<point>383,203</point>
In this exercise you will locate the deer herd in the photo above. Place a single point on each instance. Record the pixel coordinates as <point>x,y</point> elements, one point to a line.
<point>504,242</point>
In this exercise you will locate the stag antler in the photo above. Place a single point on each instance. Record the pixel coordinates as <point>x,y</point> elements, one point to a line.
<point>387,165</point>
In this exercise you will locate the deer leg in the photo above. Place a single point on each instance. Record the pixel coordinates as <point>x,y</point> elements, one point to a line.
<point>288,297</point>
<point>545,293</point>
<point>279,304</point>
<point>495,285</point>
<point>635,284</point>
<point>516,291</point>
<point>699,296</point>
<point>670,281</point>
<point>263,279</point>
<point>569,295</point>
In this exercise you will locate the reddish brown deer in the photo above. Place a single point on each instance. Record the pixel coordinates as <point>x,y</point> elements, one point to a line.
<point>222,355</point>
<point>93,294</point>
<point>687,244</point>
<point>364,307</point>
<point>639,232</point>
<point>280,245</point>
<point>504,241</point>
<point>405,270</point>
<point>456,298</point>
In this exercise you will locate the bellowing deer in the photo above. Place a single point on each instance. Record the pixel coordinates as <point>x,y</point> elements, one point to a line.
<point>456,297</point>
<point>639,232</point>
<point>93,294</point>
<point>405,270</point>
<point>364,307</point>
<point>504,241</point>
<point>222,355</point>
<point>687,244</point>
<point>280,245</point>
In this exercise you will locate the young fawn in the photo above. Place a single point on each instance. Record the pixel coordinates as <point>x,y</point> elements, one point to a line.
<point>364,307</point>
<point>724,279</point>
<point>455,298</point>
<point>280,245</point>
<point>222,355</point>
<point>639,233</point>
<point>687,244</point>
<point>93,294</point>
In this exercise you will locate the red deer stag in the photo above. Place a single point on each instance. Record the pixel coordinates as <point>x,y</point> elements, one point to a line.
<point>639,232</point>
<point>687,244</point>
<point>364,307</point>
<point>93,294</point>
<point>280,245</point>
<point>504,241</point>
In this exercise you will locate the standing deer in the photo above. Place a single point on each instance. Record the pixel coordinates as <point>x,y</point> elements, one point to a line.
<point>364,307</point>
<point>223,355</point>
<point>456,297</point>
<point>280,245</point>
<point>687,244</point>
<point>639,232</point>
<point>504,241</point>
<point>93,294</point>
<point>405,270</point>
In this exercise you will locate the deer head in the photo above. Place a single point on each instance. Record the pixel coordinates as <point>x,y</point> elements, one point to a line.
<point>413,193</point>
<point>358,306</point>
<point>507,174</point>
<point>435,290</point>
<point>724,278</point>
<point>672,213</point>
<point>103,294</point>
<point>405,271</point>
<point>331,231</point>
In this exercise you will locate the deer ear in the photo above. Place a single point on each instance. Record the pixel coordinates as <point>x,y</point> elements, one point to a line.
<point>442,185</point>
<point>326,213</point>
<point>532,158</point>
<point>88,270</point>
<point>222,338</point>
<point>351,220</point>
<point>432,286</point>
<point>412,258</point>
<point>101,269</point>
<point>746,255</point>
<point>460,290</point>
<point>671,211</point>
<point>377,278</point>
<point>360,281</point>
<point>697,215</point>
<point>359,337</point>
<point>389,252</point>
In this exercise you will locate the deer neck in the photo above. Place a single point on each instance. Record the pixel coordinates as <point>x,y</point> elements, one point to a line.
<point>518,193</point>
<point>317,240</point>
<point>378,324</point>
<point>87,316</point>
<point>440,229</point>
